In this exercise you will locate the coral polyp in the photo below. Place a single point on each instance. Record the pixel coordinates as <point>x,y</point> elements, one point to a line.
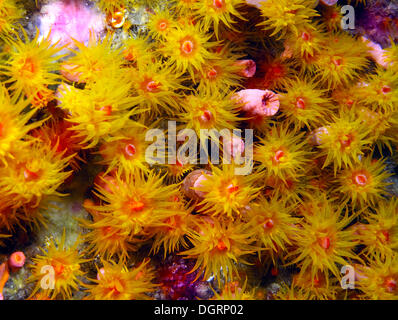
<point>107,240</point>
<point>379,234</point>
<point>304,104</point>
<point>233,291</point>
<point>282,17</point>
<point>225,193</point>
<point>274,223</point>
<point>344,140</point>
<point>126,149</point>
<point>156,89</point>
<point>137,51</point>
<point>37,173</point>
<point>160,24</point>
<point>98,110</point>
<point>379,91</point>
<point>220,75</point>
<point>217,246</point>
<point>335,65</point>
<point>332,17</point>
<point>322,242</point>
<point>363,183</point>
<point>306,43</point>
<point>274,72</point>
<point>116,282</point>
<point>172,236</point>
<point>136,203</point>
<point>281,154</point>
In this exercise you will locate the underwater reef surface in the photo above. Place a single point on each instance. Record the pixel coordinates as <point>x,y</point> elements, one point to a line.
<point>198,149</point>
<point>378,21</point>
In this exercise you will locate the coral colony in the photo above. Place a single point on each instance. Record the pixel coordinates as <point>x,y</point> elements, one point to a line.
<point>215,149</point>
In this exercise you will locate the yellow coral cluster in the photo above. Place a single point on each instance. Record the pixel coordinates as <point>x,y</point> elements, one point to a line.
<point>317,197</point>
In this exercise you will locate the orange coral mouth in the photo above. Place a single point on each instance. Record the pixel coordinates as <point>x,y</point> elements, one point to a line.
<point>386,89</point>
<point>163,25</point>
<point>135,206</point>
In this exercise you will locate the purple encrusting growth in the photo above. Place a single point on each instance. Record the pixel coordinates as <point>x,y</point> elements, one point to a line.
<point>178,284</point>
<point>379,21</point>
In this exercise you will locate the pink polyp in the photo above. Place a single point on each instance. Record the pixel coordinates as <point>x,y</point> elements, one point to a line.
<point>376,51</point>
<point>250,99</point>
<point>258,103</point>
<point>270,102</point>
